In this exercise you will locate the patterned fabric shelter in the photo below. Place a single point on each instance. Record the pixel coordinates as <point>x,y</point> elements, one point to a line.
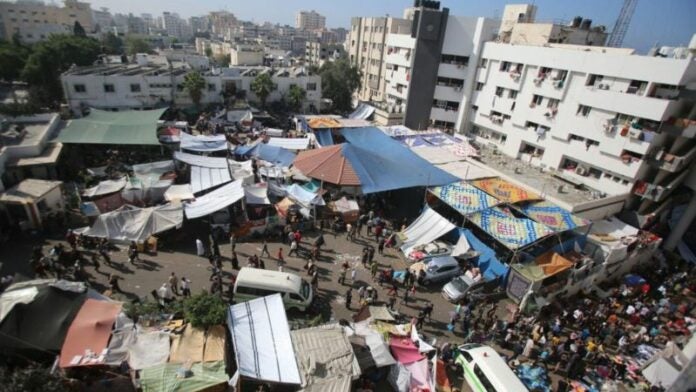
<point>503,190</point>
<point>511,231</point>
<point>465,198</point>
<point>553,216</point>
<point>323,122</point>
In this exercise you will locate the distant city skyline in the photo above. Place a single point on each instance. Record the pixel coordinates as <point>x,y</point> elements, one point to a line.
<point>668,22</point>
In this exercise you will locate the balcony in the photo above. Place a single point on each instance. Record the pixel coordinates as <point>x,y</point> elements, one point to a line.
<point>399,58</point>
<point>457,71</point>
<point>448,93</point>
<point>449,115</point>
<point>635,105</point>
<point>675,163</point>
<point>659,192</point>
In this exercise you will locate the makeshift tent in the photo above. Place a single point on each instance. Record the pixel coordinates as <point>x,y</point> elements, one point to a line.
<point>166,377</point>
<point>178,193</point>
<point>150,181</point>
<point>200,160</point>
<point>275,155</point>
<point>105,187</point>
<point>323,122</point>
<point>397,130</point>
<point>122,338</point>
<point>552,263</point>
<point>404,350</point>
<point>428,227</point>
<point>379,355</point>
<point>261,339</point>
<point>257,194</point>
<point>216,200</point>
<point>324,137</point>
<point>105,127</point>
<point>661,372</point>
<point>329,346</point>
<point>436,155</point>
<point>363,111</point>
<point>384,164</point>
<point>194,345</point>
<point>511,231</point>
<point>303,196</point>
<point>206,172</point>
<point>464,198</point>
<point>553,216</point>
<point>136,224</point>
<point>299,143</point>
<point>203,143</point>
<point>327,164</point>
<point>149,349</point>
<point>349,209</point>
<point>89,333</point>
<point>503,190</point>
<point>491,268</point>
<point>466,170</point>
<point>273,132</point>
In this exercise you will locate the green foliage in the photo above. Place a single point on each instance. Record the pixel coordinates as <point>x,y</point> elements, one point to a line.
<point>262,86</point>
<point>13,56</point>
<point>51,58</point>
<point>78,30</point>
<point>194,84</point>
<point>222,60</point>
<point>339,80</point>
<point>209,52</point>
<point>30,379</point>
<point>205,310</point>
<point>135,45</point>
<point>112,44</point>
<point>296,97</point>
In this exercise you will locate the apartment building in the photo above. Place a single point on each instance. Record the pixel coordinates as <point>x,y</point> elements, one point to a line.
<point>221,22</point>
<point>605,119</point>
<point>367,50</point>
<point>283,79</point>
<point>102,19</point>
<point>310,20</point>
<point>244,54</point>
<point>35,21</point>
<point>175,26</point>
<point>316,53</point>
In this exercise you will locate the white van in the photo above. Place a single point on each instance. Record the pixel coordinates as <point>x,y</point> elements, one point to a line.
<point>486,371</point>
<point>254,283</point>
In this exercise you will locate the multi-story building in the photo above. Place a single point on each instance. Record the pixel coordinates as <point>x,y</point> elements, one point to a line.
<point>244,54</point>
<point>221,22</point>
<point>367,50</point>
<point>309,20</point>
<point>316,53</point>
<point>102,19</point>
<point>35,21</point>
<point>136,25</point>
<point>199,24</point>
<point>606,119</point>
<point>283,79</point>
<point>175,26</point>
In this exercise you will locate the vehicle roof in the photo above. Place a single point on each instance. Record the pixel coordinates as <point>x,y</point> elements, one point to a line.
<point>266,278</point>
<point>490,362</point>
<point>443,260</point>
<point>466,279</point>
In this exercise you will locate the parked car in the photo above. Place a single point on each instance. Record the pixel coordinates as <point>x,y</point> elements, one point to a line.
<point>468,286</point>
<point>437,269</point>
<point>428,251</point>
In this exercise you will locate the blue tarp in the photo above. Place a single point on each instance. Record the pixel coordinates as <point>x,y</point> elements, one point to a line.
<point>244,150</point>
<point>276,155</point>
<point>324,137</point>
<point>312,186</point>
<point>383,164</point>
<point>490,266</point>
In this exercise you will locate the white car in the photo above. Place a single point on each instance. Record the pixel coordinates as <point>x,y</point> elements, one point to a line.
<point>438,269</point>
<point>428,251</point>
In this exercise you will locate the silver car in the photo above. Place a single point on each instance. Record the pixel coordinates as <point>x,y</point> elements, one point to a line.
<point>437,269</point>
<point>457,288</point>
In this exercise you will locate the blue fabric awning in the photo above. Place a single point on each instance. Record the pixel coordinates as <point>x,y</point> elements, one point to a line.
<point>383,164</point>
<point>245,150</point>
<point>490,266</point>
<point>324,137</point>
<point>276,155</point>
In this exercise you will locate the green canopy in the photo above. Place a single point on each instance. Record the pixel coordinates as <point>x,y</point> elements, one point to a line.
<point>103,127</point>
<point>163,378</point>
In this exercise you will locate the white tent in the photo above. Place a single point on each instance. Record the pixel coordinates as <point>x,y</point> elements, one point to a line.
<point>216,200</point>
<point>203,143</point>
<point>106,187</point>
<point>206,172</point>
<point>257,194</point>
<point>427,228</point>
<point>136,224</point>
<point>661,372</point>
<point>179,192</point>
<point>261,339</point>
<point>298,143</point>
<point>303,196</point>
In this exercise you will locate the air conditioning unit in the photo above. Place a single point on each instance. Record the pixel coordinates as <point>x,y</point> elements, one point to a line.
<point>634,133</point>
<point>581,170</point>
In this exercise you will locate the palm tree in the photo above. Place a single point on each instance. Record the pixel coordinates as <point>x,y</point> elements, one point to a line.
<point>296,97</point>
<point>194,84</point>
<point>262,86</point>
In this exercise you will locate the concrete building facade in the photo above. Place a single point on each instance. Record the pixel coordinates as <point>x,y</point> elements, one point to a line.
<point>243,54</point>
<point>310,20</point>
<point>35,21</point>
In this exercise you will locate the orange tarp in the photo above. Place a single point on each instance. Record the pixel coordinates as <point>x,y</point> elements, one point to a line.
<point>323,122</point>
<point>503,190</point>
<point>553,263</point>
<point>90,330</point>
<point>327,164</point>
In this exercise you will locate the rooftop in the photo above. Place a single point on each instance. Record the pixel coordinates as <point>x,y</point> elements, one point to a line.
<point>24,131</point>
<point>128,70</point>
<point>28,190</point>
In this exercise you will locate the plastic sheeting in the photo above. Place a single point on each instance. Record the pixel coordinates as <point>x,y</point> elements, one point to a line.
<point>273,154</point>
<point>106,127</point>
<point>384,164</point>
<point>301,143</point>
<point>404,350</point>
<point>661,372</point>
<point>164,377</point>
<point>200,160</point>
<point>466,170</point>
<point>428,227</point>
<point>216,200</point>
<point>488,263</point>
<point>511,231</point>
<point>436,155</point>
<point>464,198</point>
<point>106,187</point>
<point>257,194</point>
<point>203,178</point>
<point>9,299</point>
<point>203,143</point>
<point>136,224</point>
<point>150,349</point>
<point>89,332</point>
<point>324,137</point>
<point>261,340</point>
<point>329,346</point>
<point>303,196</point>
<point>363,111</point>
<point>179,193</point>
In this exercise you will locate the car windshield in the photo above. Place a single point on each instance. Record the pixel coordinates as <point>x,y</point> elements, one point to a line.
<point>304,290</point>
<point>460,284</point>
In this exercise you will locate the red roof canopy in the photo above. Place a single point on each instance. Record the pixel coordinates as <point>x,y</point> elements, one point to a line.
<point>90,330</point>
<point>327,164</point>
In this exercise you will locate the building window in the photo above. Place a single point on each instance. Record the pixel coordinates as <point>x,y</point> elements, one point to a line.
<point>135,88</point>
<point>80,88</point>
<point>552,104</point>
<point>499,91</point>
<point>583,110</point>
<point>211,87</point>
<point>512,94</point>
<point>594,79</point>
<point>109,88</point>
<point>505,66</point>
<point>311,87</point>
<point>460,61</point>
<point>484,63</point>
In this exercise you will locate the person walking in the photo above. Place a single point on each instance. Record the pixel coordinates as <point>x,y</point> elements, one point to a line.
<point>405,299</point>
<point>173,283</point>
<point>391,302</point>
<point>262,264</point>
<point>233,241</point>
<point>200,248</point>
<point>370,254</point>
<point>293,248</point>
<point>428,311</point>
<point>349,231</point>
<point>373,269</point>
<point>420,319</point>
<point>315,280</point>
<point>280,255</point>
<point>235,260</point>
<point>264,249</point>
<point>380,246</point>
<point>113,283</point>
<point>185,287</point>
<point>353,274</point>
<point>349,297</point>
<point>342,275</point>
<point>365,256</point>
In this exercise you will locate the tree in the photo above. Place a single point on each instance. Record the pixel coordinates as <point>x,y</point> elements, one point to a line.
<point>222,60</point>
<point>135,45</point>
<point>50,58</point>
<point>30,379</point>
<point>338,81</point>
<point>205,310</point>
<point>78,30</point>
<point>194,84</point>
<point>112,44</point>
<point>296,97</point>
<point>209,52</point>
<point>13,56</point>
<point>262,86</point>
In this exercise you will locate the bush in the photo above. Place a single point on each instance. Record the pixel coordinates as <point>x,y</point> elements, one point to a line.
<point>205,310</point>
<point>30,379</point>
